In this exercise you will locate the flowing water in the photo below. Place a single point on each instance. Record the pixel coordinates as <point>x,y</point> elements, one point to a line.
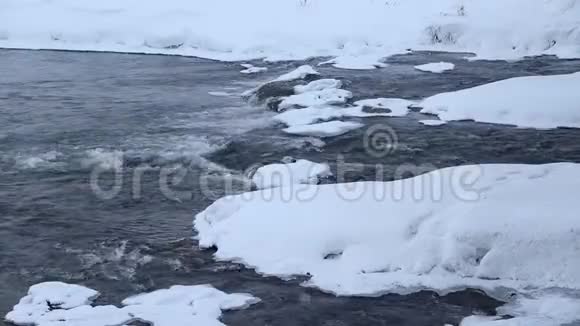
<point>93,146</point>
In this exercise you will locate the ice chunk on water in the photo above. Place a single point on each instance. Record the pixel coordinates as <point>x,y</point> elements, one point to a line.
<point>436,67</point>
<point>299,172</point>
<point>324,129</point>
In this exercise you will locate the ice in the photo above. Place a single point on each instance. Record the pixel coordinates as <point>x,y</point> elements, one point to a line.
<point>436,67</point>
<point>393,106</point>
<point>357,62</point>
<point>535,102</point>
<point>220,94</point>
<point>298,73</point>
<point>308,115</point>
<point>61,304</point>
<point>432,122</point>
<point>323,97</point>
<point>251,69</point>
<point>318,85</point>
<point>299,172</point>
<point>324,129</point>
<point>483,226</point>
<point>552,309</point>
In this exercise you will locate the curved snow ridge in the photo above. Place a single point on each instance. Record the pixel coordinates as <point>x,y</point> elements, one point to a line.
<point>535,102</point>
<point>299,172</point>
<point>56,303</point>
<point>484,226</point>
<point>257,29</point>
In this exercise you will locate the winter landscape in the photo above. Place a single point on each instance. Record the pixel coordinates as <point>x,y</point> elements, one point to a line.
<point>290,162</point>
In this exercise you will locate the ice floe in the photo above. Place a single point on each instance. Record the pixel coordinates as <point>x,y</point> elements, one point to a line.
<point>318,85</point>
<point>309,115</point>
<point>432,122</point>
<point>324,129</point>
<point>298,73</point>
<point>484,226</point>
<point>535,102</point>
<point>56,303</point>
<point>330,96</point>
<point>251,69</point>
<point>299,172</point>
<point>436,67</point>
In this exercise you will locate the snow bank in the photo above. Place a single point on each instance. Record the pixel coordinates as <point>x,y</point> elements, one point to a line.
<point>324,129</point>
<point>482,226</point>
<point>542,310</point>
<point>358,32</point>
<point>536,102</point>
<point>55,303</point>
<point>436,67</point>
<point>299,172</point>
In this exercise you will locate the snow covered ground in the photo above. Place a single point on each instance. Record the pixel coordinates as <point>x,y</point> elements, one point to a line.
<point>483,226</point>
<point>293,29</point>
<point>536,102</point>
<point>56,303</point>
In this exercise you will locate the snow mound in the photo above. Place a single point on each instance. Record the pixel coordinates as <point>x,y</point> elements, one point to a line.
<point>436,67</point>
<point>298,73</point>
<point>299,172</point>
<point>535,102</point>
<point>432,122</point>
<point>251,69</point>
<point>324,129</point>
<point>329,96</point>
<point>484,226</point>
<point>61,304</point>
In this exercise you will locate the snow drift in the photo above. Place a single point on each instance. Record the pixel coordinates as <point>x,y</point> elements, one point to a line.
<point>536,102</point>
<point>292,29</point>
<point>484,226</point>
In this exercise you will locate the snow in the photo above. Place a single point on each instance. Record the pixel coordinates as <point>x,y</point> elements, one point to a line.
<point>330,96</point>
<point>219,93</point>
<point>318,85</point>
<point>432,122</point>
<point>298,73</point>
<point>324,129</point>
<point>539,310</point>
<point>56,303</point>
<point>299,172</point>
<point>436,67</point>
<point>308,115</point>
<point>251,69</point>
<point>534,102</point>
<point>397,106</point>
<point>358,33</point>
<point>482,226</point>
<point>357,62</point>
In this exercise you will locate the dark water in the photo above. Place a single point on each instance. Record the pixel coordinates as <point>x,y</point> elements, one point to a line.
<point>63,115</point>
